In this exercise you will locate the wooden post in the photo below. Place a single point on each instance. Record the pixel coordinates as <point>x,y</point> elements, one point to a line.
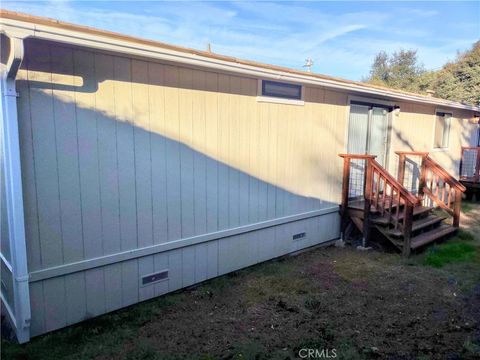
<point>423,178</point>
<point>368,197</point>
<point>407,229</point>
<point>401,168</point>
<point>457,208</point>
<point>345,187</point>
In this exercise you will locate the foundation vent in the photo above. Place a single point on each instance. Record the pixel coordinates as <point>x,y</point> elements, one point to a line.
<point>299,236</point>
<point>156,277</point>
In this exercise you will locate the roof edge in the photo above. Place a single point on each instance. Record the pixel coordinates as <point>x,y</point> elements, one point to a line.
<point>23,25</point>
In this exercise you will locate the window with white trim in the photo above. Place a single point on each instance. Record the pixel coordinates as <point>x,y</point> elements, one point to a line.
<point>442,129</point>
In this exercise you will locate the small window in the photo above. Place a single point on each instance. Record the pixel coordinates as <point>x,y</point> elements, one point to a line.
<point>442,129</point>
<point>281,90</point>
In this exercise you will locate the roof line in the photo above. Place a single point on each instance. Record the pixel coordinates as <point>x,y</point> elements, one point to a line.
<point>24,25</point>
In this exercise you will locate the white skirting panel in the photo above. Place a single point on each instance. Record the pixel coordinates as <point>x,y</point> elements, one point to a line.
<point>65,300</point>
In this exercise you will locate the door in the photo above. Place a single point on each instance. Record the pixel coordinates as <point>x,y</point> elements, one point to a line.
<point>368,130</point>
<point>377,138</point>
<point>367,134</point>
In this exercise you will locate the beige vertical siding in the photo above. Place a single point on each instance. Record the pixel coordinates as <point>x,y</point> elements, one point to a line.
<point>413,130</point>
<point>120,153</point>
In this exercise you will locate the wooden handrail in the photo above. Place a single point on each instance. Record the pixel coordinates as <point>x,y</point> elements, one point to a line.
<point>401,166</point>
<point>357,156</point>
<point>440,203</point>
<point>446,176</point>
<point>398,186</point>
<point>433,183</point>
<point>412,153</point>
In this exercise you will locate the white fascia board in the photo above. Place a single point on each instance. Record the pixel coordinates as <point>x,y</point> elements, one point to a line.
<point>106,43</point>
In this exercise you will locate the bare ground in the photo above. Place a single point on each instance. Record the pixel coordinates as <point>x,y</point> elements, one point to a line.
<point>329,298</point>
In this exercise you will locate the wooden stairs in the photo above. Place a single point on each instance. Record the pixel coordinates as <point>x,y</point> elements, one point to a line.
<point>407,220</point>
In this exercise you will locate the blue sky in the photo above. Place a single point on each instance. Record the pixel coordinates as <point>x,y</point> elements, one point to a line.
<point>341,37</point>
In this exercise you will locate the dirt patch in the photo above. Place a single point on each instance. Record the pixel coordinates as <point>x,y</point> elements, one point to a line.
<point>386,311</point>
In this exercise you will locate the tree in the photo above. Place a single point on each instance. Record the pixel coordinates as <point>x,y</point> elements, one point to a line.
<point>458,80</point>
<point>401,70</point>
<point>380,69</point>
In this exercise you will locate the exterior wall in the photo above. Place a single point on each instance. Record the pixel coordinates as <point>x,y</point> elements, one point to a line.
<point>126,162</point>
<point>132,166</point>
<point>413,130</point>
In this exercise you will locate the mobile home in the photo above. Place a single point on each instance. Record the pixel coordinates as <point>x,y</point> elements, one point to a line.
<point>132,168</point>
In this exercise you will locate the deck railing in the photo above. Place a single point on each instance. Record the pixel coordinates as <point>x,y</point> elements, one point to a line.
<point>381,192</point>
<point>436,185</point>
<point>470,164</point>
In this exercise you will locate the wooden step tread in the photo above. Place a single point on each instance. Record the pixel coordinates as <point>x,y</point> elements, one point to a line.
<point>385,203</point>
<point>418,210</point>
<point>432,235</point>
<point>360,204</point>
<point>419,224</point>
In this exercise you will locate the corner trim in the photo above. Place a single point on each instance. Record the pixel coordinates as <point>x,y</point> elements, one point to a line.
<point>14,192</point>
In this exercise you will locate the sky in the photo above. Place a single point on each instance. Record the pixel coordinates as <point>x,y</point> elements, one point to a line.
<point>341,37</point>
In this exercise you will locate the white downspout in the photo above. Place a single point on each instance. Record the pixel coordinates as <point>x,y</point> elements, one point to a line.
<point>14,191</point>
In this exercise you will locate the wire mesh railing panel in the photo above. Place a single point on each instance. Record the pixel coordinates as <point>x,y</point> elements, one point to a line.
<point>469,163</point>
<point>356,185</point>
<point>413,170</point>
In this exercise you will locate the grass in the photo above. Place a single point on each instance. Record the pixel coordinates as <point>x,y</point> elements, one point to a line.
<point>461,248</point>
<point>467,206</point>
<point>449,253</point>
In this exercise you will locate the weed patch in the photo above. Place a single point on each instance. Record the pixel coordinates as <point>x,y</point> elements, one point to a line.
<point>451,252</point>
<point>464,236</point>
